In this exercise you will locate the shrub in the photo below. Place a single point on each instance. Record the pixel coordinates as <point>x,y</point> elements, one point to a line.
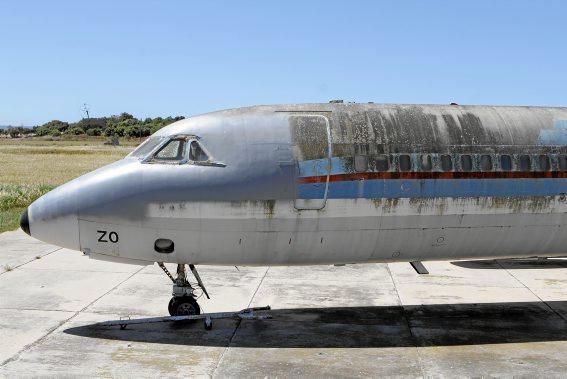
<point>94,132</point>
<point>75,130</point>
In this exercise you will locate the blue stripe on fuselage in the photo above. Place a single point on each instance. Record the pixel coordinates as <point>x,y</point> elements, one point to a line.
<point>411,188</point>
<point>317,167</point>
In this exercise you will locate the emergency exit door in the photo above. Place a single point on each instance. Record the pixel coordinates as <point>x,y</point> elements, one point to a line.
<point>311,139</point>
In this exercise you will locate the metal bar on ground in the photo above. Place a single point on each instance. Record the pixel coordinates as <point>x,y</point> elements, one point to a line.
<point>246,314</point>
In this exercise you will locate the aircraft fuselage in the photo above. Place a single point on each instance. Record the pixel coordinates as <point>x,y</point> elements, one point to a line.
<point>325,184</point>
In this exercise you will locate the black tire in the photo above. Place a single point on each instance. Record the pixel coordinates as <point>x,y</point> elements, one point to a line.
<point>184,306</point>
<point>170,306</point>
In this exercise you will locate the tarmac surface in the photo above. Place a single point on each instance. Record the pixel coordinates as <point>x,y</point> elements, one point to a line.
<point>484,318</point>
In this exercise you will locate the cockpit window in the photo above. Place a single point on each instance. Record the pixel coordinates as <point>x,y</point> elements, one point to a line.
<point>146,147</point>
<point>196,153</point>
<point>174,150</point>
<point>179,149</point>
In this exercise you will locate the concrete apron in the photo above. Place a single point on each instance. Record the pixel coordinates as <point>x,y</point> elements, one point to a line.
<point>463,319</point>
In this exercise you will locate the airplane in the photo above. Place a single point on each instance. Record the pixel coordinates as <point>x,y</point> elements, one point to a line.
<point>322,184</point>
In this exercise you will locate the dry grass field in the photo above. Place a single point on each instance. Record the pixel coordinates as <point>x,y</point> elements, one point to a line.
<point>31,167</point>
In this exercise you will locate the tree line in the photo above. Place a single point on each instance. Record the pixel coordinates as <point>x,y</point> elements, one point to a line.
<point>123,125</point>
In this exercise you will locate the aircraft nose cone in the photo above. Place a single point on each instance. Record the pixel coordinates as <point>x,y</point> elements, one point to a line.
<point>25,222</point>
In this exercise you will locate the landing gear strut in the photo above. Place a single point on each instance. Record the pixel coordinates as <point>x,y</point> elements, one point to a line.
<point>183,302</point>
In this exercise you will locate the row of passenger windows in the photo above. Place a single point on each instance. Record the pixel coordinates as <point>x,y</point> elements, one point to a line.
<point>459,162</point>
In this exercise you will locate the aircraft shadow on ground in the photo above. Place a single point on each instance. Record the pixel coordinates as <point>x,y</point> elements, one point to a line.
<point>361,327</point>
<point>513,264</point>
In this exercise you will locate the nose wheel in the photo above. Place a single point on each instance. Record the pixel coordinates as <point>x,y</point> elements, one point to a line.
<point>183,302</point>
<point>183,306</point>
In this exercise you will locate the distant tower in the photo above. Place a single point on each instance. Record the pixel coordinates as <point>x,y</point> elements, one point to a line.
<point>86,109</point>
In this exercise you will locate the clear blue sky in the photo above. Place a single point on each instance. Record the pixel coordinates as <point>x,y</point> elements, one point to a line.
<point>158,58</point>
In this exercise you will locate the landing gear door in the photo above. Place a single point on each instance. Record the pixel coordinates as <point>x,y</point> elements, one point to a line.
<point>311,138</point>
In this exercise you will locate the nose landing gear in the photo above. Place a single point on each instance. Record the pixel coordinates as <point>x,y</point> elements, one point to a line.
<point>183,302</point>
<point>183,305</point>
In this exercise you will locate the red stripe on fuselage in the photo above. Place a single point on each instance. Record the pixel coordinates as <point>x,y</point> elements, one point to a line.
<point>435,175</point>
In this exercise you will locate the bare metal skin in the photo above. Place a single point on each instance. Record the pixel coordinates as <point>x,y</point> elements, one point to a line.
<point>281,186</point>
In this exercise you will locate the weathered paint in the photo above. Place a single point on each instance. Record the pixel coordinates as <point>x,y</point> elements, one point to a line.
<point>556,136</point>
<point>247,212</point>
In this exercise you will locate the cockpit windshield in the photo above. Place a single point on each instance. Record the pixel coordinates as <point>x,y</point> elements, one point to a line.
<point>147,147</point>
<point>178,149</point>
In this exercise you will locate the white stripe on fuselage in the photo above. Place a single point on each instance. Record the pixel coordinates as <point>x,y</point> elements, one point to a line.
<point>347,231</point>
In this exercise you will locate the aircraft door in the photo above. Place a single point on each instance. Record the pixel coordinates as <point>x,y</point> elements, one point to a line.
<point>311,139</point>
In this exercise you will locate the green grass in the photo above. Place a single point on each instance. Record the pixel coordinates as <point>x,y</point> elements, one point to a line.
<point>20,196</point>
<point>14,199</point>
<point>30,167</point>
<point>76,141</point>
<point>10,219</point>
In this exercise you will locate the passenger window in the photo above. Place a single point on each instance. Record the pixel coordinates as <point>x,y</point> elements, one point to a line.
<point>562,162</point>
<point>544,164</point>
<point>382,163</point>
<point>360,163</point>
<point>485,163</point>
<point>466,162</point>
<point>196,153</point>
<point>446,163</point>
<point>525,163</point>
<point>506,163</point>
<point>174,150</point>
<point>425,163</point>
<point>405,162</point>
